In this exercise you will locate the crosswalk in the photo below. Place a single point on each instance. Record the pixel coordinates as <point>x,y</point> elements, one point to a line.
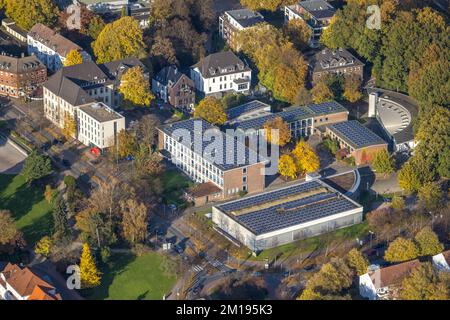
<point>197,268</point>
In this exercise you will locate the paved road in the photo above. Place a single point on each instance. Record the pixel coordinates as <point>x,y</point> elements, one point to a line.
<point>11,160</point>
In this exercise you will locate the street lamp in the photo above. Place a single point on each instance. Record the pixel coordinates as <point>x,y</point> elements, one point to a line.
<point>371,235</point>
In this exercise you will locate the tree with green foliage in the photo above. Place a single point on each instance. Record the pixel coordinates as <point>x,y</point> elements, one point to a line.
<point>89,275</point>
<point>426,283</point>
<point>430,196</point>
<point>95,26</point>
<point>357,261</point>
<point>119,39</point>
<point>400,250</point>
<point>27,13</point>
<point>36,166</point>
<point>428,242</point>
<point>95,228</point>
<point>135,88</point>
<point>211,110</point>
<point>383,163</point>
<point>231,100</point>
<point>61,228</point>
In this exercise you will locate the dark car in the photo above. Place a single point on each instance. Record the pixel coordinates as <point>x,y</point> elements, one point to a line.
<point>65,162</point>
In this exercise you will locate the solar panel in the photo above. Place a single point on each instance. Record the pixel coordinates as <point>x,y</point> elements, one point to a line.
<point>326,108</point>
<point>245,108</point>
<point>355,134</point>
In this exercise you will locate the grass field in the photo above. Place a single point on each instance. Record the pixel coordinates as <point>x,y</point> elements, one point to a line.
<point>129,277</point>
<point>30,210</point>
<point>174,182</point>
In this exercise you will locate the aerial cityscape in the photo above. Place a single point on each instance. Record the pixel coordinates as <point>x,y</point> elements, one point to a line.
<point>219,150</point>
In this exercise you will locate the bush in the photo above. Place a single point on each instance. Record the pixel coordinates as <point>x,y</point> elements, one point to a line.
<point>105,254</point>
<point>141,249</point>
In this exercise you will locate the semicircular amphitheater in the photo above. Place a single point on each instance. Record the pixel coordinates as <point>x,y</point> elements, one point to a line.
<point>394,116</point>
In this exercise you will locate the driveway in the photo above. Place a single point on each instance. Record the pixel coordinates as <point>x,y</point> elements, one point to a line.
<point>11,160</point>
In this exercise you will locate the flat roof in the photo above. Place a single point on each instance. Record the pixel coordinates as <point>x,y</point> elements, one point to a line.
<point>101,112</point>
<point>248,107</point>
<point>355,134</point>
<point>228,159</point>
<point>287,207</point>
<point>246,17</point>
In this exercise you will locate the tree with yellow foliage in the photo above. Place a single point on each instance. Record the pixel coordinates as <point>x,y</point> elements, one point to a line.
<point>400,250</point>
<point>135,88</point>
<point>306,159</point>
<point>284,132</point>
<point>321,92</point>
<point>270,5</point>
<point>287,167</point>
<point>120,39</point>
<point>211,110</point>
<point>43,246</point>
<point>298,32</point>
<point>69,129</point>
<point>90,276</point>
<point>73,58</point>
<point>352,88</point>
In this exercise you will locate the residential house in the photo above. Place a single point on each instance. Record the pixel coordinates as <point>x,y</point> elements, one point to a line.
<point>17,283</point>
<point>220,73</point>
<point>316,13</point>
<point>340,61</point>
<point>174,87</point>
<point>21,76</point>
<point>51,47</point>
<point>234,21</point>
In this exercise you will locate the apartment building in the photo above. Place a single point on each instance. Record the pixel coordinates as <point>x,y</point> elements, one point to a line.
<point>339,61</point>
<point>174,87</point>
<point>316,13</point>
<point>99,125</point>
<point>51,47</point>
<point>20,76</point>
<point>233,21</point>
<point>220,73</point>
<point>13,29</point>
<point>226,163</point>
<point>83,84</point>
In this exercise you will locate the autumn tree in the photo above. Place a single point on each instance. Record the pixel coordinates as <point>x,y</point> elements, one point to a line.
<point>428,243</point>
<point>8,227</point>
<point>119,39</point>
<point>95,26</point>
<point>270,5</point>
<point>357,261</point>
<point>49,193</point>
<point>283,135</point>
<point>89,275</point>
<point>95,227</point>
<point>211,110</point>
<point>400,250</point>
<point>321,92</point>
<point>163,52</point>
<point>36,166</point>
<point>135,88</point>
<point>27,13</point>
<point>398,203</point>
<point>298,32</point>
<point>134,221</point>
<point>352,88</point>
<point>306,159</point>
<point>408,177</point>
<point>43,246</point>
<point>127,145</point>
<point>426,283</point>
<point>430,196</point>
<point>287,167</point>
<point>303,97</point>
<point>383,163</point>
<point>73,57</point>
<point>69,129</point>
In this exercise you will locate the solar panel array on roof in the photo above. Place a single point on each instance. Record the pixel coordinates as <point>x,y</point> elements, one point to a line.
<point>326,108</point>
<point>245,108</point>
<point>241,155</point>
<point>290,213</point>
<point>355,134</point>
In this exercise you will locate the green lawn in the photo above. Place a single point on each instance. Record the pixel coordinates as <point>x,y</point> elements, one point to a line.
<point>27,205</point>
<point>310,244</point>
<point>174,182</point>
<point>128,277</point>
